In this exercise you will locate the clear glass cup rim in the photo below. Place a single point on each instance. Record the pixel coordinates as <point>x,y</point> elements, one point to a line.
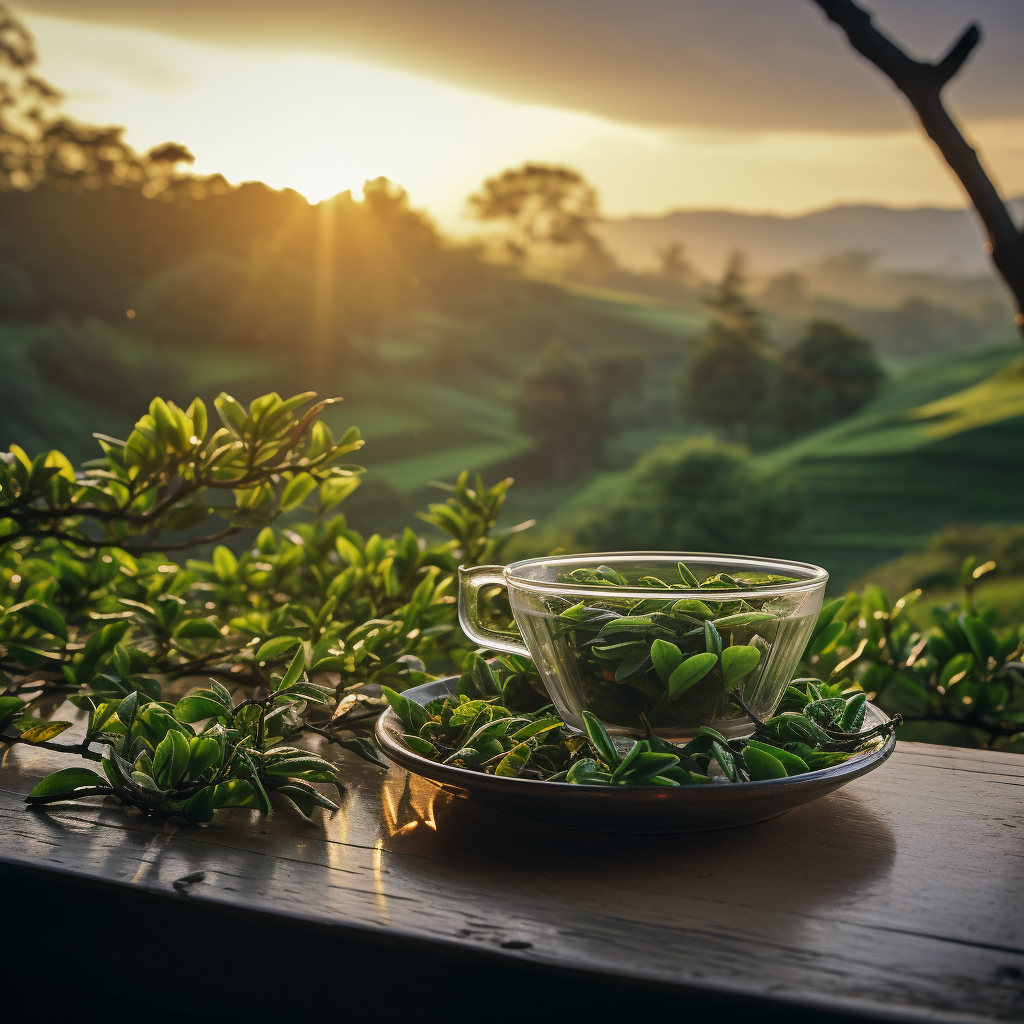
<point>813,575</point>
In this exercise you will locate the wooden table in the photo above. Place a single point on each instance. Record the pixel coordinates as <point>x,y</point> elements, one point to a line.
<point>900,897</point>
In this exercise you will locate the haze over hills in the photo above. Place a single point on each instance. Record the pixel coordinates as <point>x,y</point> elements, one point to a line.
<point>947,241</point>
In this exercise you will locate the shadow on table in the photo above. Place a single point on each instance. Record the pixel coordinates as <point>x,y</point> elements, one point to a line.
<point>833,847</point>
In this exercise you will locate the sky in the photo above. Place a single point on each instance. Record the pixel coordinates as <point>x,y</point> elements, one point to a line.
<point>754,105</point>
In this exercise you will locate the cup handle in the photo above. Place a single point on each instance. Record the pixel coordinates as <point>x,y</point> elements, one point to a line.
<point>470,581</point>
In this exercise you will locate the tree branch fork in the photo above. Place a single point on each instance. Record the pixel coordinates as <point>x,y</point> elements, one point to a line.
<point>922,83</point>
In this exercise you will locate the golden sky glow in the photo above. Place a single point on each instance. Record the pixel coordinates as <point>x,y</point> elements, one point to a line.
<point>321,123</point>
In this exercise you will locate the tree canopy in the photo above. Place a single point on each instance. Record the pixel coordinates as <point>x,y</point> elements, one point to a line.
<point>545,211</point>
<point>697,494</point>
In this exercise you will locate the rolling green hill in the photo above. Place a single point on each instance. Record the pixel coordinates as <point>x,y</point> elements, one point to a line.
<point>943,445</point>
<point>420,426</point>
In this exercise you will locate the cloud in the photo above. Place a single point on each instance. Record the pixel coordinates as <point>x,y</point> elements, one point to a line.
<point>773,65</point>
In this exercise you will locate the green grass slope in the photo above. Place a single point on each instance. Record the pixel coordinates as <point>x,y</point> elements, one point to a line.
<point>943,445</point>
<point>428,420</point>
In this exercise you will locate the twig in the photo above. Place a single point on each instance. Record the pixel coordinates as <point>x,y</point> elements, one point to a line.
<point>921,82</point>
<point>82,749</point>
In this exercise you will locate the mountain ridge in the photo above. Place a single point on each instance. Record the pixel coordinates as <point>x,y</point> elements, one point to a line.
<point>926,238</point>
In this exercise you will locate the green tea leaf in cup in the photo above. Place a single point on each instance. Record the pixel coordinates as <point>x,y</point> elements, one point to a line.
<point>691,606</point>
<point>687,577</point>
<point>691,671</point>
<point>738,662</point>
<point>712,638</point>
<point>666,658</point>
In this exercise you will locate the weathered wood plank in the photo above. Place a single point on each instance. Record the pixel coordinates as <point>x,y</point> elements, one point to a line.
<point>898,895</point>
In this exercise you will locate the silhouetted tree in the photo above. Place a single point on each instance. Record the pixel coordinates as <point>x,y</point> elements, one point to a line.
<point>546,211</point>
<point>558,405</point>
<point>38,143</point>
<point>786,291</point>
<point>674,265</point>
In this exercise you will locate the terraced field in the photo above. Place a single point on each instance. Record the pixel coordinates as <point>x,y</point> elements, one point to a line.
<point>945,445</point>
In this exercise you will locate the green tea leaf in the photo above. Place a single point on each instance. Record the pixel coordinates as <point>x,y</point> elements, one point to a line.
<point>65,783</point>
<point>600,740</point>
<point>712,639</point>
<point>514,761</point>
<point>762,765</point>
<point>793,764</point>
<point>690,672</point>
<point>586,772</point>
<point>982,640</point>
<point>647,764</point>
<point>828,638</point>
<point>296,491</point>
<point>295,670</point>
<point>957,668</point>
<point>666,658</point>
<point>421,746</point>
<point>10,705</point>
<point>686,576</point>
<point>826,712</point>
<point>197,628</point>
<point>537,728</point>
<point>413,715</point>
<point>691,606</point>
<point>727,761</point>
<point>195,709</point>
<point>46,618</point>
<point>742,619</point>
<point>737,662</point>
<point>274,649</point>
<point>204,752</point>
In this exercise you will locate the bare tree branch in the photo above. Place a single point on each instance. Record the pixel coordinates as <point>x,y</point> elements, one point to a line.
<point>922,84</point>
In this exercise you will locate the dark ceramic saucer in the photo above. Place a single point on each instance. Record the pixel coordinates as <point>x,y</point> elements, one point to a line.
<point>626,809</point>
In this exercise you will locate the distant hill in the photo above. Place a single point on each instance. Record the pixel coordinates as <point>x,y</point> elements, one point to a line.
<point>938,240</point>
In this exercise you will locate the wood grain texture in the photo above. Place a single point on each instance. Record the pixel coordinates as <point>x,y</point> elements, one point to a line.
<point>900,897</point>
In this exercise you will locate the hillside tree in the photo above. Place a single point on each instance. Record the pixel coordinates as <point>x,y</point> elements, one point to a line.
<point>545,211</point>
<point>694,494</point>
<point>559,406</point>
<point>726,381</point>
<point>830,373</point>
<point>674,265</point>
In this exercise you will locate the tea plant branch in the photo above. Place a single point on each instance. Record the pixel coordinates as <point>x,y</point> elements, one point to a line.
<point>961,672</point>
<point>183,545</point>
<point>295,634</point>
<point>270,457</point>
<point>922,83</point>
<point>82,749</point>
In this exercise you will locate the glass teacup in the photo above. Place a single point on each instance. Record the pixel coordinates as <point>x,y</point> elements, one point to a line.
<point>658,642</point>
